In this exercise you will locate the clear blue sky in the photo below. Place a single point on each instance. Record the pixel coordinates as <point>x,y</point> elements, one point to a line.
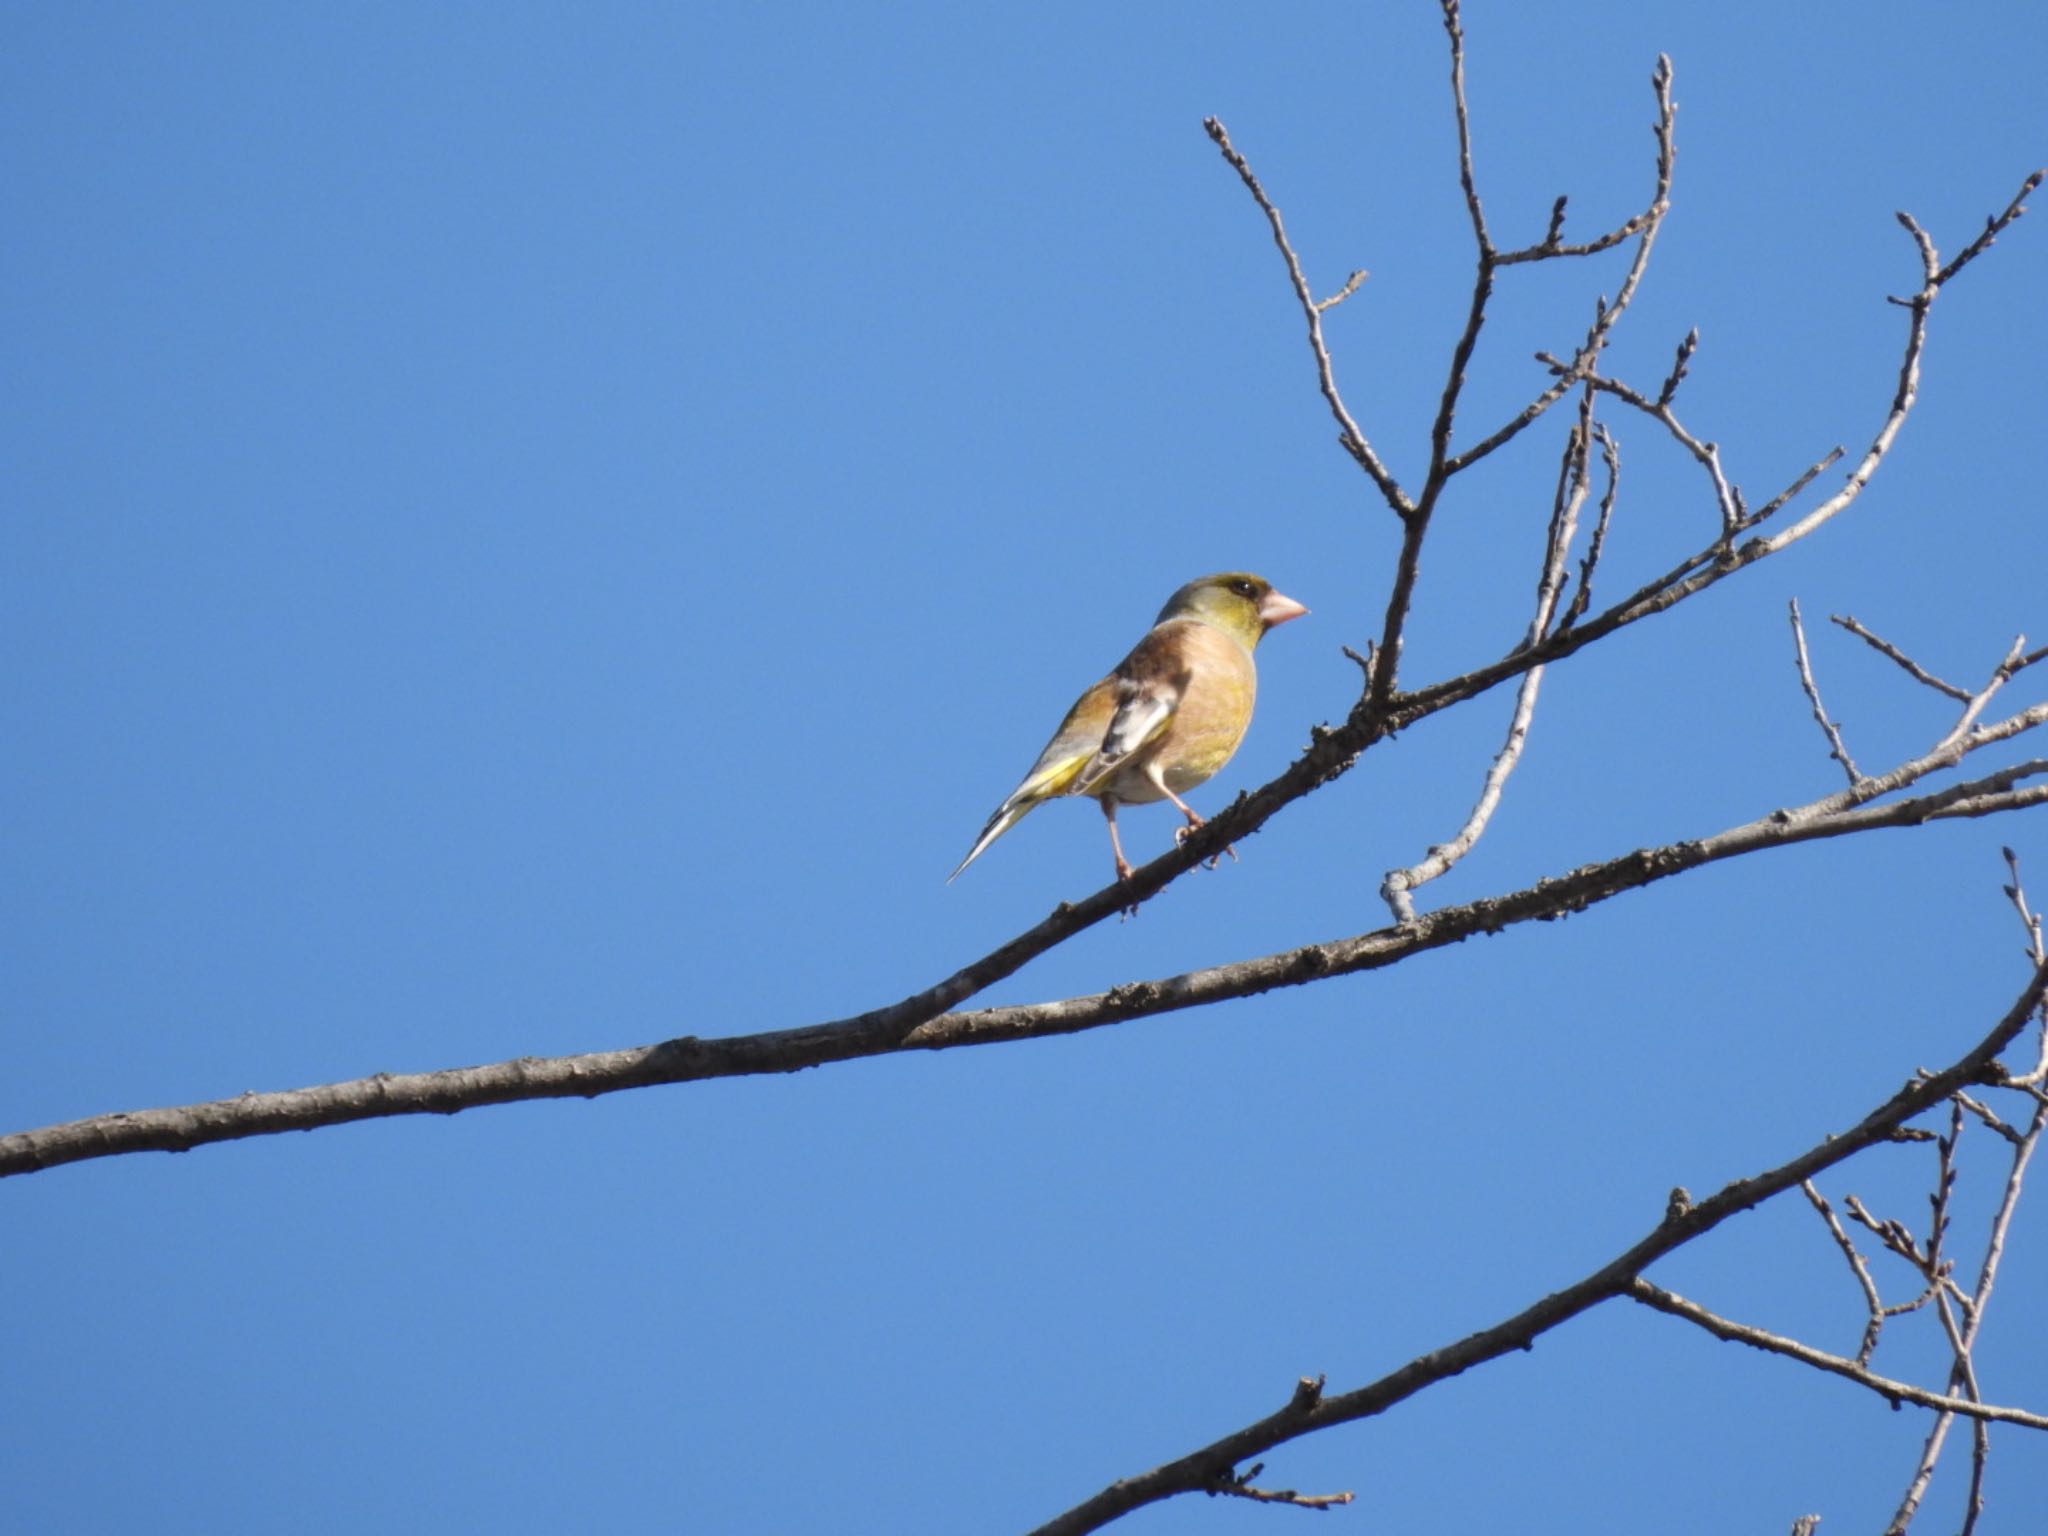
<point>538,528</point>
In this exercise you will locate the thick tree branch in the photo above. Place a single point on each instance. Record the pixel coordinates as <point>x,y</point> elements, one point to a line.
<point>1682,1224</point>
<point>918,1024</point>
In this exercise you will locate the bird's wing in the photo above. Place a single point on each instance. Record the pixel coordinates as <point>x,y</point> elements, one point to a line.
<point>1149,686</point>
<point>1074,744</point>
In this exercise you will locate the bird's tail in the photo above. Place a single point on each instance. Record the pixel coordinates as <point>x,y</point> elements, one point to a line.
<point>1007,815</point>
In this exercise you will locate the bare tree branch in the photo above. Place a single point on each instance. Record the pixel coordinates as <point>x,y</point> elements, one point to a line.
<point>1963,1335</point>
<point>1721,559</point>
<point>1573,484</point>
<point>1644,227</point>
<point>1239,1486</point>
<point>1895,1392</point>
<point>918,1024</point>
<point>1829,728</point>
<point>1679,364</point>
<point>1350,436</point>
<point>1726,497</point>
<point>1610,458</point>
<point>2037,951</point>
<point>1934,279</point>
<point>1442,464</point>
<point>1778,502</point>
<point>1383,710</point>
<point>1681,1225</point>
<point>1994,226</point>
<point>1858,1266</point>
<point>1885,647</point>
<point>1350,287</point>
<point>1960,1312</point>
<point>1974,706</point>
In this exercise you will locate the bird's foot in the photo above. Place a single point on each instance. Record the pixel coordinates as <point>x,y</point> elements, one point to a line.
<point>1195,824</point>
<point>1123,876</point>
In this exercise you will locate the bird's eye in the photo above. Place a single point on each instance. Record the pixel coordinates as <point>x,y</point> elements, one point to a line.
<point>1242,588</point>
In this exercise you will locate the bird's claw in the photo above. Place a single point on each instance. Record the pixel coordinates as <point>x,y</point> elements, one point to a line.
<point>1195,824</point>
<point>1123,876</point>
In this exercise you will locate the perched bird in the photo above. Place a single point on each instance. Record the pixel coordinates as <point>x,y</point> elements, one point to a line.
<point>1166,719</point>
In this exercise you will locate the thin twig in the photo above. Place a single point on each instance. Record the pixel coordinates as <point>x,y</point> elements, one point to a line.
<point>1415,525</point>
<point>1239,1486</point>
<point>1890,1231</point>
<point>1807,476</point>
<point>2037,951</point>
<point>1349,434</point>
<point>1990,1119</point>
<point>1607,315</point>
<point>1726,497</point>
<point>1858,1266</point>
<point>1885,647</point>
<point>1453,24</point>
<point>1679,365</point>
<point>1993,228</point>
<point>1718,560</point>
<point>1574,481</point>
<point>1829,728</point>
<point>1974,706</point>
<point>1892,1391</point>
<point>1610,458</point>
<point>1933,280</point>
<point>1350,287</point>
<point>1980,1295</point>
<point>1396,885</point>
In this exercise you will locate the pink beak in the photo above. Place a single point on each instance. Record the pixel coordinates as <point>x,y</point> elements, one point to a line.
<point>1278,609</point>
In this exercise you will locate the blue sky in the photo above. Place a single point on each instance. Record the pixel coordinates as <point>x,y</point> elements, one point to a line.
<point>542,528</point>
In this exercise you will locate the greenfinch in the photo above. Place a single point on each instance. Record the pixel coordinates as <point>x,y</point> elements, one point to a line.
<point>1166,719</point>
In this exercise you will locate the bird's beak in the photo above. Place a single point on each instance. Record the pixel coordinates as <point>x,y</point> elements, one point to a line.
<point>1278,609</point>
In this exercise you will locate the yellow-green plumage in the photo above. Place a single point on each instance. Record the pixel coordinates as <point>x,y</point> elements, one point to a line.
<point>1167,718</point>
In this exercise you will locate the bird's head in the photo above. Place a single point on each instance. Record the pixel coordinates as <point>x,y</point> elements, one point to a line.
<point>1237,602</point>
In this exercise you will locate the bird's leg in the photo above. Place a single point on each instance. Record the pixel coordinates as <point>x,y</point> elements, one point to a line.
<point>1195,824</point>
<point>1123,865</point>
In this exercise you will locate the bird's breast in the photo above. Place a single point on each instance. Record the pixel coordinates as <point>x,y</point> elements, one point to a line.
<point>1215,708</point>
